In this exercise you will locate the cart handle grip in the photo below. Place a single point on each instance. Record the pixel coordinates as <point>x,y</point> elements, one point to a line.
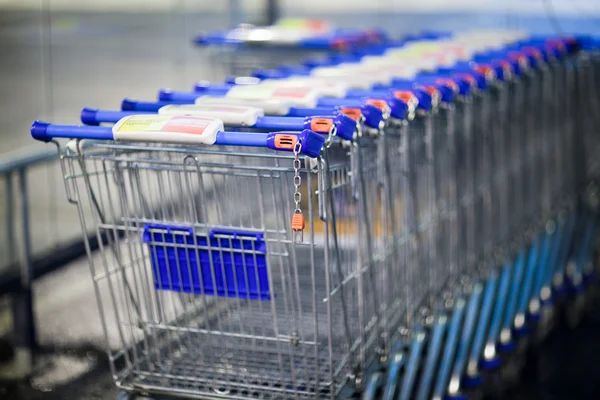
<point>93,117</point>
<point>311,142</point>
<point>148,106</point>
<point>179,96</point>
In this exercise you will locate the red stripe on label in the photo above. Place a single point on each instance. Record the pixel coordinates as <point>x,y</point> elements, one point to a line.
<point>191,125</point>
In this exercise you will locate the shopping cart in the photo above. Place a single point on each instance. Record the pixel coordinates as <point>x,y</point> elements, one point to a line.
<point>212,297</point>
<point>238,52</point>
<point>405,257</point>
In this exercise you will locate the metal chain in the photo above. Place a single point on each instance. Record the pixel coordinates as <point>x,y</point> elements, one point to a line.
<point>297,178</point>
<point>332,134</point>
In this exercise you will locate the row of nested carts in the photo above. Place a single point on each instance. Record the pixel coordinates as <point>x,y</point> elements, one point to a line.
<point>381,220</point>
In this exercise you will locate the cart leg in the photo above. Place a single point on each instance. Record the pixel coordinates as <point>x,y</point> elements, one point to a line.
<point>373,388</point>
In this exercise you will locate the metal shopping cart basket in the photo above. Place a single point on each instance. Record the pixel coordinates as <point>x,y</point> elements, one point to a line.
<point>205,288</point>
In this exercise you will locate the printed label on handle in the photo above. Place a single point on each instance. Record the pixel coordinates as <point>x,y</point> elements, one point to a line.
<point>230,115</point>
<point>168,129</point>
<point>300,96</point>
<point>269,106</point>
<point>321,86</point>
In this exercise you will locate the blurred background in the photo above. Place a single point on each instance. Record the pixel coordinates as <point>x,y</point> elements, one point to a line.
<point>57,56</point>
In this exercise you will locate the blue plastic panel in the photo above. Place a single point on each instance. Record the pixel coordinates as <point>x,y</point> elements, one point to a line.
<point>238,268</point>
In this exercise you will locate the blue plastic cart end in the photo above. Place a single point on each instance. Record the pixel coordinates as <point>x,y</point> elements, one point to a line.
<point>39,131</point>
<point>472,381</point>
<point>521,331</point>
<point>506,347</point>
<point>88,116</point>
<point>346,126</point>
<point>373,115</point>
<point>128,105</point>
<point>490,364</point>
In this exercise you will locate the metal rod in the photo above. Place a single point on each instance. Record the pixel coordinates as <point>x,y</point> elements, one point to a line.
<point>24,329</point>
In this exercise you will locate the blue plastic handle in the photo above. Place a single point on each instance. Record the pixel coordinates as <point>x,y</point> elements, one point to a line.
<point>336,102</point>
<point>149,106</point>
<point>280,123</point>
<point>270,74</point>
<point>309,112</point>
<point>176,95</point>
<point>45,132</point>
<point>253,139</point>
<point>91,116</point>
<point>312,142</point>
<point>295,70</point>
<point>360,93</point>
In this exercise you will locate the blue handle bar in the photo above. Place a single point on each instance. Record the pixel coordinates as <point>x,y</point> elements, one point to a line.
<point>211,91</point>
<point>336,102</point>
<point>280,123</point>
<point>345,125</point>
<point>311,142</point>
<point>309,112</point>
<point>176,95</point>
<point>360,93</point>
<point>45,132</point>
<point>91,116</point>
<point>154,106</point>
<point>148,106</point>
<point>190,97</point>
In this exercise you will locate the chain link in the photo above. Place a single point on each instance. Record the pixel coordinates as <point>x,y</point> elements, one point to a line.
<point>297,178</point>
<point>332,134</point>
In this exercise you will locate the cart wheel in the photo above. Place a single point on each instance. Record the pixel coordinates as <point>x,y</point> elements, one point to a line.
<point>392,384</point>
<point>373,386</point>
